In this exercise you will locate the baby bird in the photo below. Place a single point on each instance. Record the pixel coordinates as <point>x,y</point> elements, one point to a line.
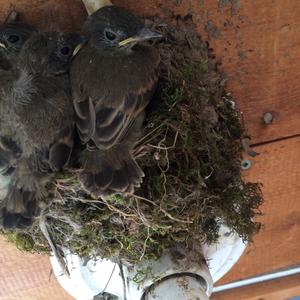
<point>113,79</point>
<point>12,38</point>
<point>39,116</point>
<point>13,35</point>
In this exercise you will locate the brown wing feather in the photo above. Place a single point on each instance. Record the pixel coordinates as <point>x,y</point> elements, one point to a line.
<point>85,118</point>
<point>120,89</point>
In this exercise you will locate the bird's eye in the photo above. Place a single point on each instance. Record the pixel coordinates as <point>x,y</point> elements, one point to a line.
<point>65,50</point>
<point>110,35</point>
<point>13,38</point>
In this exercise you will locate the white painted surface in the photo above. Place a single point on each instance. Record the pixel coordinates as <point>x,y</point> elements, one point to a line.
<point>88,280</point>
<point>223,255</point>
<point>103,275</point>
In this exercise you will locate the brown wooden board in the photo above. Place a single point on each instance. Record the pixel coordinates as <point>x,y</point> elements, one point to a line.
<point>27,276</point>
<point>47,14</point>
<point>258,43</point>
<point>277,245</point>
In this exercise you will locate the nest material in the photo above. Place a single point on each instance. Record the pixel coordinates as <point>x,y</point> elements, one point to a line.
<point>191,155</point>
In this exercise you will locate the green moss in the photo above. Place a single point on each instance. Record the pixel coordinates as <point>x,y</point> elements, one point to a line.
<point>117,199</point>
<point>23,241</point>
<point>142,274</point>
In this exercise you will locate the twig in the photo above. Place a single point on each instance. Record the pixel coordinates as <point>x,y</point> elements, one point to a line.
<point>60,260</point>
<point>162,210</point>
<point>150,133</point>
<point>145,244</point>
<point>175,219</point>
<point>65,219</point>
<point>164,147</point>
<point>113,208</point>
<point>145,199</point>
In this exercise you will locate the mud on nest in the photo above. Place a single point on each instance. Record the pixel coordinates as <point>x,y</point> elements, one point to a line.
<point>191,155</point>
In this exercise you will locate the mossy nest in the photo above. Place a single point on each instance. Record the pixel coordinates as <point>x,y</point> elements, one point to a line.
<point>191,156</point>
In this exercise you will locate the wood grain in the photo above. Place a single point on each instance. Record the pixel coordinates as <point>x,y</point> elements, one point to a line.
<point>27,276</point>
<point>277,245</point>
<point>258,43</point>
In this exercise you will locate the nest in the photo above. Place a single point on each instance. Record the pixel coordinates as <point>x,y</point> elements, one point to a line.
<point>191,157</point>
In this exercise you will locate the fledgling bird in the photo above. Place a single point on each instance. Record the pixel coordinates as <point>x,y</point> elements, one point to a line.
<point>113,79</point>
<point>39,114</point>
<point>13,35</point>
<point>12,38</point>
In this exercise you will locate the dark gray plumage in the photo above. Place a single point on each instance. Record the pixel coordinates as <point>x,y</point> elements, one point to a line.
<point>113,78</point>
<point>36,99</point>
<point>12,38</point>
<point>13,35</point>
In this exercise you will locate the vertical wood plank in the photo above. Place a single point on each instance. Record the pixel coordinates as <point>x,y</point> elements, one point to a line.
<point>277,245</point>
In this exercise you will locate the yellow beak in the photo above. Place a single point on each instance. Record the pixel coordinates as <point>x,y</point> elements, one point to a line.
<point>128,41</point>
<point>2,45</point>
<point>77,49</point>
<point>142,35</point>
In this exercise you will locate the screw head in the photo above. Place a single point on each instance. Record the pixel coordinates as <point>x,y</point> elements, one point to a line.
<point>246,164</point>
<point>268,118</point>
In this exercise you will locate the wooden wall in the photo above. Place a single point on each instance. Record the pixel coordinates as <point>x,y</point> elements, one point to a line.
<point>26,276</point>
<point>258,43</point>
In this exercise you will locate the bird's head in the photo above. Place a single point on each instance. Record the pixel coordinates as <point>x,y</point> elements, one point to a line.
<point>50,52</point>
<point>113,28</point>
<point>12,38</point>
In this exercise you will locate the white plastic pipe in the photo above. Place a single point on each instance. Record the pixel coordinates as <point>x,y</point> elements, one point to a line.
<point>178,288</point>
<point>257,279</point>
<point>95,276</point>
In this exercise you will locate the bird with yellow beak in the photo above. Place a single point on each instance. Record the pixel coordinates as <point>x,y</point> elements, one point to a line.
<point>12,38</point>
<point>113,78</point>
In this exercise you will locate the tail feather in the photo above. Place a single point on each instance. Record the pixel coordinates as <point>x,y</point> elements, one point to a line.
<point>120,180</point>
<point>109,172</point>
<point>132,169</point>
<point>60,151</point>
<point>27,187</point>
<point>13,220</point>
<point>59,156</point>
<point>22,202</point>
